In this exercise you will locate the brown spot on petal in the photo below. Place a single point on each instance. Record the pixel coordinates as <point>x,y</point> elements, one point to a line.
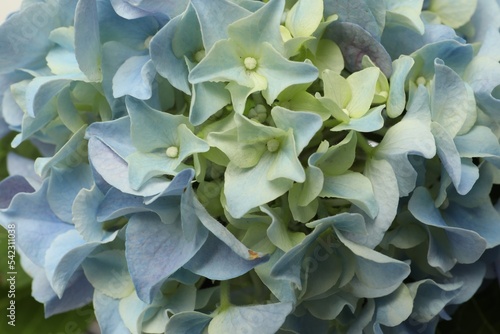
<point>253,255</point>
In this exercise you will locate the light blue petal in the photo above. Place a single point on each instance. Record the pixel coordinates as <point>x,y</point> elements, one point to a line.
<point>87,40</point>
<point>64,257</point>
<point>370,122</point>
<point>289,266</point>
<point>114,281</point>
<point>11,186</point>
<point>115,133</point>
<point>454,54</point>
<point>107,314</point>
<point>36,224</point>
<point>214,17</point>
<point>64,185</point>
<point>133,9</point>
<point>77,294</point>
<point>450,103</point>
<point>385,187</point>
<point>188,323</point>
<point>135,78</point>
<point>73,153</point>
<point>265,319</point>
<point>217,261</point>
<point>114,170</point>
<point>479,142</point>
<point>483,219</point>
<point>166,62</point>
<point>19,165</point>
<point>447,152</point>
<point>28,49</point>
<point>397,97</point>
<point>167,248</point>
<point>399,142</point>
<point>376,270</point>
<point>430,298</point>
<point>284,292</point>
<point>42,89</point>
<point>85,207</point>
<point>461,245</point>
<point>208,98</point>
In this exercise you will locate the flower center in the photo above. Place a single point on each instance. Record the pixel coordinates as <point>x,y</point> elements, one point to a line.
<point>421,81</point>
<point>250,63</point>
<point>273,145</point>
<point>172,152</point>
<point>198,56</point>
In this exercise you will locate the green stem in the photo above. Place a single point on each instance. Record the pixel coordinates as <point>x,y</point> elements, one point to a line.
<point>363,144</point>
<point>225,299</point>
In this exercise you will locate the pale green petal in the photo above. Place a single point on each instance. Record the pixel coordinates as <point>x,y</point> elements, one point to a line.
<point>304,17</point>
<point>222,63</point>
<point>248,188</point>
<point>453,13</point>
<point>286,164</point>
<point>363,85</point>
<point>327,57</point>
<point>281,73</point>
<point>261,27</point>
<point>303,124</point>
<point>337,88</point>
<point>189,143</point>
<point>405,13</point>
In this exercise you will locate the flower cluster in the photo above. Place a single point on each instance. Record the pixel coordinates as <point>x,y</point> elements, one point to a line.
<point>238,166</point>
